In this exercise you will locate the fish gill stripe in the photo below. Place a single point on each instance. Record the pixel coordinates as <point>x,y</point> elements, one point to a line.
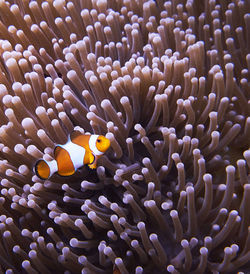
<point>76,153</point>
<point>92,145</point>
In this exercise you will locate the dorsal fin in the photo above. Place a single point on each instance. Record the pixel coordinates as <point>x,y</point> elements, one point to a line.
<point>80,139</point>
<point>74,134</point>
<point>116,270</point>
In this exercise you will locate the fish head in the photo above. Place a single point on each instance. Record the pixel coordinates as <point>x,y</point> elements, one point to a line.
<point>102,143</point>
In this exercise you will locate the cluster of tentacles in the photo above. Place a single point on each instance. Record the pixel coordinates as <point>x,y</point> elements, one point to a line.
<point>168,83</point>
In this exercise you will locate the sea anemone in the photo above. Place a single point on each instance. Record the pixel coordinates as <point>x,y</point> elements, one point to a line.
<point>167,82</point>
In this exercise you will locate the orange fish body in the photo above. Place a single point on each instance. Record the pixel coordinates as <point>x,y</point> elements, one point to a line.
<point>79,150</point>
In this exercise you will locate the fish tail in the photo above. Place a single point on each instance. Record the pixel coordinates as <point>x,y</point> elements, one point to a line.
<point>45,169</point>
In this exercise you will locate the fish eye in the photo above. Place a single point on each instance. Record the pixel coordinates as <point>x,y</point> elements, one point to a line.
<point>98,140</point>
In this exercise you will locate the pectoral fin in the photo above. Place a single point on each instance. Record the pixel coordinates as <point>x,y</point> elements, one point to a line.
<point>91,160</point>
<point>93,164</point>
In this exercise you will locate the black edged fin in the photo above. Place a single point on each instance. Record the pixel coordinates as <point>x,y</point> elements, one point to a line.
<point>93,164</point>
<point>39,169</point>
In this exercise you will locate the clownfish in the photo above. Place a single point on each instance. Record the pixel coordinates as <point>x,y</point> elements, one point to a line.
<point>79,150</point>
